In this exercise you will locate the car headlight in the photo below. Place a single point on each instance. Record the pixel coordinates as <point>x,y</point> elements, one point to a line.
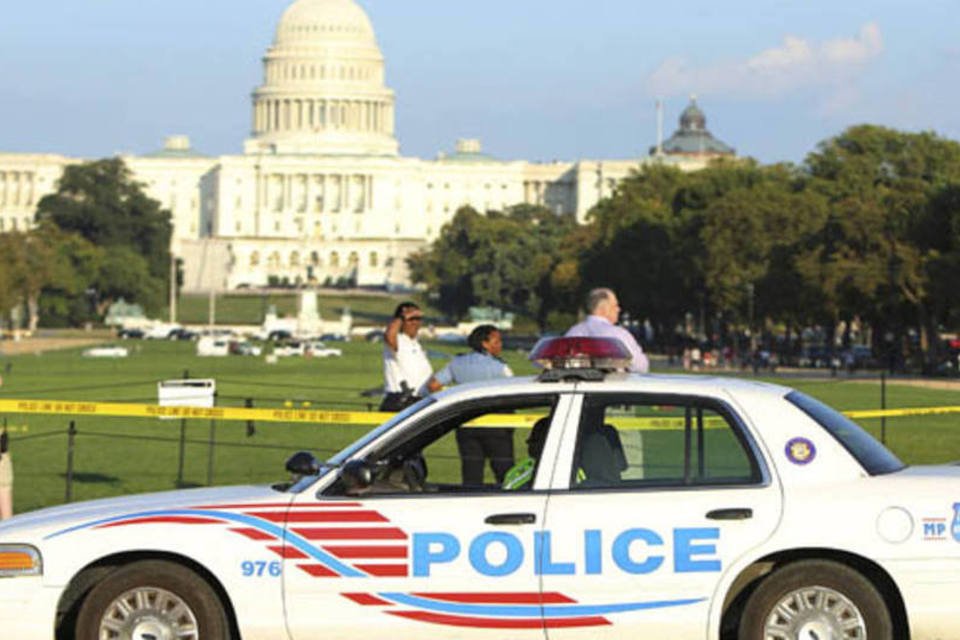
<point>19,560</point>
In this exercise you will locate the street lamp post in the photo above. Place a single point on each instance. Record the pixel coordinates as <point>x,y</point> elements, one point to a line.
<point>173,288</point>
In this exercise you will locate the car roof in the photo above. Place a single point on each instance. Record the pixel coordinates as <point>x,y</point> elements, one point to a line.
<point>622,382</point>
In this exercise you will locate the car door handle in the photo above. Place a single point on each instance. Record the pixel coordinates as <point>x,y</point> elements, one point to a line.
<point>511,518</point>
<point>730,514</point>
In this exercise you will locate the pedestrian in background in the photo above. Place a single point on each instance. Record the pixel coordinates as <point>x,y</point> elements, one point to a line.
<point>6,478</point>
<point>479,444</point>
<point>406,369</point>
<point>604,310</point>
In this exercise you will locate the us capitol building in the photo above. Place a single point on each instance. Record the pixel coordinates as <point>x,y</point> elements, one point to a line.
<point>321,192</point>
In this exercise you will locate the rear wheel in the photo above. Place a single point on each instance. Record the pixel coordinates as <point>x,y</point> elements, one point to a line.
<point>152,600</point>
<point>815,600</point>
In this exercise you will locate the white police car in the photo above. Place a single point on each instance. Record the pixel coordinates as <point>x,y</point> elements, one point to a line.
<point>652,507</point>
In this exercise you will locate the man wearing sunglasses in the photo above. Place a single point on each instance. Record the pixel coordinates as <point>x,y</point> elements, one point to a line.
<point>406,369</point>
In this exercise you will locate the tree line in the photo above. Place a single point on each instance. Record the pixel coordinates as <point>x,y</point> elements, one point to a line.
<point>98,238</point>
<point>866,229</point>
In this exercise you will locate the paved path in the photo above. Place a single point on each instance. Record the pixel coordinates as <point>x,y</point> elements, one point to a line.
<point>40,345</point>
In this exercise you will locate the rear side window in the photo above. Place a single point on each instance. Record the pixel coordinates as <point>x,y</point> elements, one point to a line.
<point>875,458</point>
<point>644,441</point>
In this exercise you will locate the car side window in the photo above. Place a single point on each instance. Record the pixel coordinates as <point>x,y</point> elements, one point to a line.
<point>491,446</point>
<point>644,441</point>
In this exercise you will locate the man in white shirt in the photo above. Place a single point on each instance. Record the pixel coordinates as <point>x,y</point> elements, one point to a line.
<point>477,445</point>
<point>604,310</point>
<point>406,369</point>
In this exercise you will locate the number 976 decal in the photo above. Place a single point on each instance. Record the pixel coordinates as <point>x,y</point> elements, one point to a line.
<point>260,569</point>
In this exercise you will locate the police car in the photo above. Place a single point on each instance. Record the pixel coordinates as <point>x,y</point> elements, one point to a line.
<point>640,507</point>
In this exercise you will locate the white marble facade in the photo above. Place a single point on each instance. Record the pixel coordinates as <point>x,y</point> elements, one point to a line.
<point>321,192</point>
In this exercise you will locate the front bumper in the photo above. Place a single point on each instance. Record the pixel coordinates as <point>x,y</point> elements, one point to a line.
<point>28,609</point>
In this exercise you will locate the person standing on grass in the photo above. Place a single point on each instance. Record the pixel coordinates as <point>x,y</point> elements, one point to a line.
<point>406,369</point>
<point>476,445</point>
<point>604,310</point>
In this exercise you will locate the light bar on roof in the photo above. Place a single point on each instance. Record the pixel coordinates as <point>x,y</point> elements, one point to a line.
<point>569,353</point>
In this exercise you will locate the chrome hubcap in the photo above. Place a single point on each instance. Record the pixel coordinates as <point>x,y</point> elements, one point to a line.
<point>147,613</point>
<point>815,613</point>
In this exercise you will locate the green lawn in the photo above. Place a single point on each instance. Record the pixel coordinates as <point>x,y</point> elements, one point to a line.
<point>250,307</point>
<point>118,456</point>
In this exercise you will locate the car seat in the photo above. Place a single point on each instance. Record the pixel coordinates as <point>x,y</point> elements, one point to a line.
<point>602,459</point>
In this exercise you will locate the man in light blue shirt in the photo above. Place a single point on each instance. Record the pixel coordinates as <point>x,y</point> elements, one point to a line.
<point>604,310</point>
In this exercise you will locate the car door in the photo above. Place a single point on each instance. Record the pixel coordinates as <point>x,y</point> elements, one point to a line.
<point>655,497</point>
<point>445,560</point>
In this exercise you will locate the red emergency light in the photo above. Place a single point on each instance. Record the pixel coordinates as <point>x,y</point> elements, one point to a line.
<point>569,353</point>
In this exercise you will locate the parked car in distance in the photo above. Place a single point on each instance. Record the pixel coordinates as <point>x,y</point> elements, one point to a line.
<point>334,337</point>
<point>161,331</point>
<point>212,346</point>
<point>132,333</point>
<point>244,348</point>
<point>317,349</point>
<point>106,352</point>
<point>313,349</point>
<point>289,348</point>
<point>182,334</point>
<point>279,335</point>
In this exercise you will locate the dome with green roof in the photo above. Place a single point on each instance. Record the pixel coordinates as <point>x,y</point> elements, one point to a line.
<point>693,138</point>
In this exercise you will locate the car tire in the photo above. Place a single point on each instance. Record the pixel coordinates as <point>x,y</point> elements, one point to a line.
<point>815,599</point>
<point>152,598</point>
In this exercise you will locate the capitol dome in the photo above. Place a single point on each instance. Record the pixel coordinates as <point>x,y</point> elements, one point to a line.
<point>321,21</point>
<point>324,89</point>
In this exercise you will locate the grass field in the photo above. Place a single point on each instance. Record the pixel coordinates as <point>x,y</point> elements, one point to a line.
<point>118,456</point>
<point>250,307</point>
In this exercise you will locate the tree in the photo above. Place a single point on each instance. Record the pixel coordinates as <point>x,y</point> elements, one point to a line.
<point>754,237</point>
<point>10,269</point>
<point>876,249</point>
<point>505,260</point>
<point>69,297</point>
<point>102,203</point>
<point>37,263</point>
<point>445,266</point>
<point>653,244</point>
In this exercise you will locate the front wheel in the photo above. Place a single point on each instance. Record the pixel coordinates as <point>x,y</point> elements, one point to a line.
<point>815,600</point>
<point>152,600</point>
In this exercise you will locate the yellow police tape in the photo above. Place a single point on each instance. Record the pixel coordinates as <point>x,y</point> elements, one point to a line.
<point>366,418</point>
<point>899,413</point>
<point>118,410</point>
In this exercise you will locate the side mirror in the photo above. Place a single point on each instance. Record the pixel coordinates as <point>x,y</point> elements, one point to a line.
<point>303,463</point>
<point>356,475</point>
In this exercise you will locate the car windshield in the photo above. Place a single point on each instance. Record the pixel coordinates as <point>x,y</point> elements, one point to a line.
<point>349,451</point>
<point>875,458</point>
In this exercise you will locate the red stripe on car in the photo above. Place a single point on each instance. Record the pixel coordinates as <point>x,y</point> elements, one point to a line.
<point>385,570</point>
<point>351,533</point>
<point>378,552</point>
<point>367,599</point>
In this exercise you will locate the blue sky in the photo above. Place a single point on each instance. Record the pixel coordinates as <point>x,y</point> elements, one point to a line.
<point>534,79</point>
